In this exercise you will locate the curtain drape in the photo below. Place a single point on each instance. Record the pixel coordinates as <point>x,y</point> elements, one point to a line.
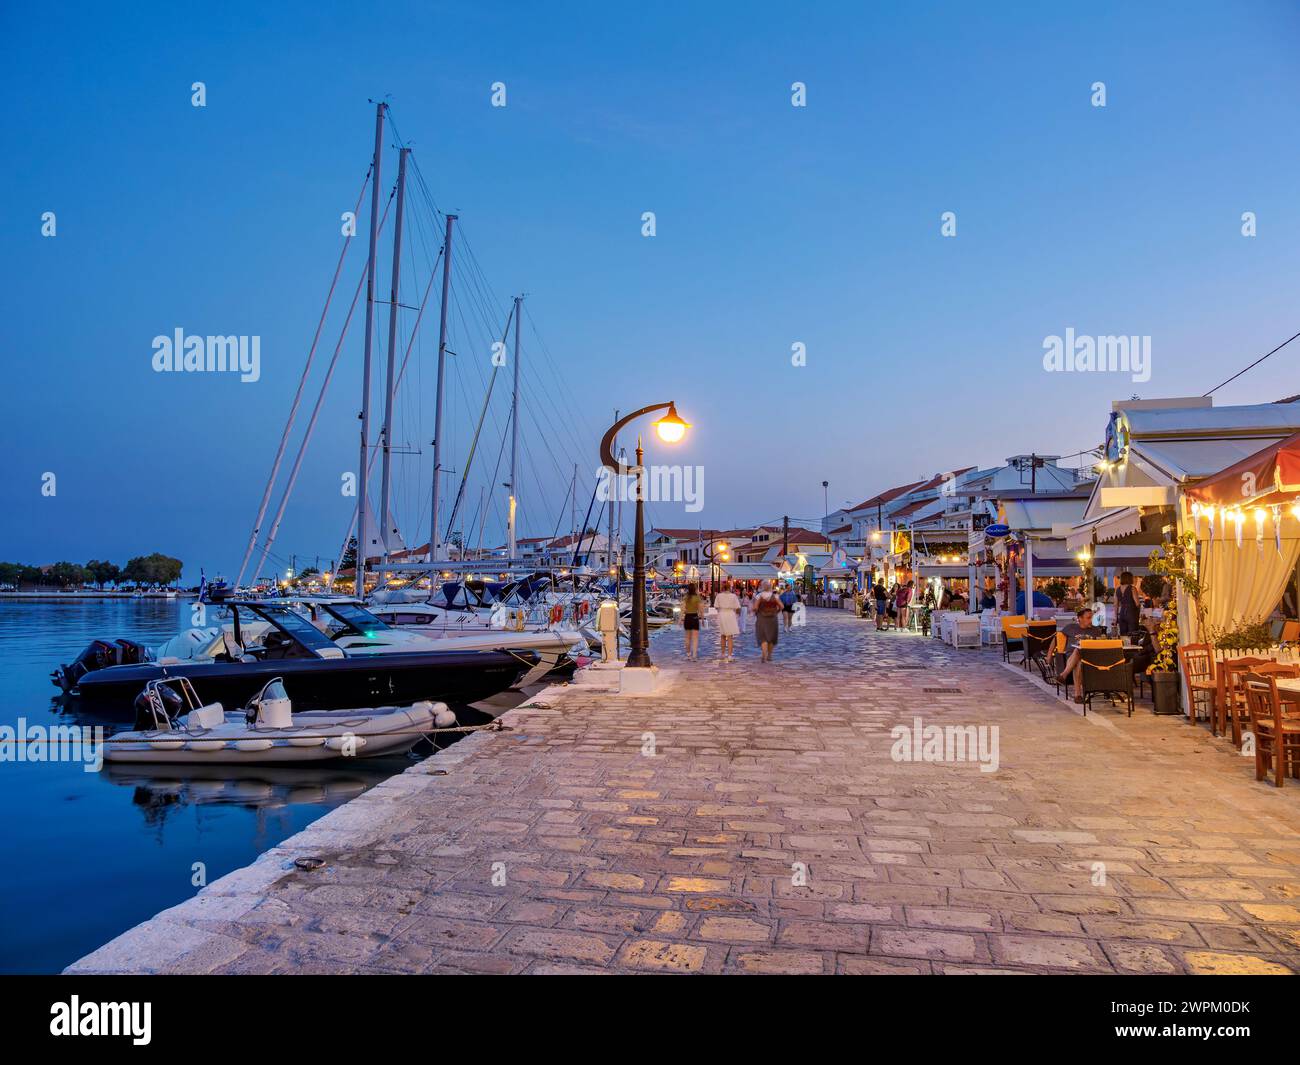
<point>1244,583</point>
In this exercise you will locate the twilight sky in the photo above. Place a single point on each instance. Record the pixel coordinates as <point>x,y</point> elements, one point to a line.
<point>775,225</point>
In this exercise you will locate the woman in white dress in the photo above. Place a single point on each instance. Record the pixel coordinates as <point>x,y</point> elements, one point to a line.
<point>728,607</point>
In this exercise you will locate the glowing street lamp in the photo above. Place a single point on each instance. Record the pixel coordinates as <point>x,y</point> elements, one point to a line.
<point>670,429</point>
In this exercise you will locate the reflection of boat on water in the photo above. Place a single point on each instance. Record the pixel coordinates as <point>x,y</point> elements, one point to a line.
<point>255,787</point>
<point>267,640</point>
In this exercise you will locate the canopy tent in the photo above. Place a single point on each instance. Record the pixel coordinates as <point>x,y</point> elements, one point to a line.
<point>1266,477</point>
<point>1246,519</point>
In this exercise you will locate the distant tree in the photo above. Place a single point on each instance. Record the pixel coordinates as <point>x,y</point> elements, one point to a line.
<point>30,575</point>
<point>103,573</point>
<point>155,569</point>
<point>350,555</point>
<point>68,574</point>
<point>11,573</point>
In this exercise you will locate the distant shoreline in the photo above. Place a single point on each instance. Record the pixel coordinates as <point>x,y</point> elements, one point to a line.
<point>63,597</point>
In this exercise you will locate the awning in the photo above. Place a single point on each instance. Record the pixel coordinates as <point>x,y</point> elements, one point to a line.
<point>748,571</point>
<point>943,569</point>
<point>1109,526</point>
<point>1270,475</point>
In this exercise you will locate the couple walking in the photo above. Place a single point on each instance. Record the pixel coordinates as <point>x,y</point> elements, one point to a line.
<point>766,606</point>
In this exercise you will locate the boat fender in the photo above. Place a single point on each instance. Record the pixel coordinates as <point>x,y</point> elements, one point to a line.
<point>443,716</point>
<point>338,743</point>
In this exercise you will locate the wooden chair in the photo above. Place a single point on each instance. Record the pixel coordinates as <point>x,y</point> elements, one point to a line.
<point>1277,734</point>
<point>1106,671</point>
<point>1230,706</point>
<point>1197,660</point>
<point>1290,632</point>
<point>1013,635</point>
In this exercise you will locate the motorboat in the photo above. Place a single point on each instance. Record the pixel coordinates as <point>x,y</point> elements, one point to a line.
<point>174,727</point>
<point>364,664</point>
<point>560,650</point>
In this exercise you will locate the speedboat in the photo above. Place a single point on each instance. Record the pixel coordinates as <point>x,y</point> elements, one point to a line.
<point>363,665</point>
<point>559,650</point>
<point>174,728</point>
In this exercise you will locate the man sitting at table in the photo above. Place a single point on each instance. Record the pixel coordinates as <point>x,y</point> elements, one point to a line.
<point>1083,629</point>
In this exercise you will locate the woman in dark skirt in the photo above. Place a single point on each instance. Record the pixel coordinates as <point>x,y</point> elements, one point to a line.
<point>692,607</point>
<point>1127,611</point>
<point>767,608</point>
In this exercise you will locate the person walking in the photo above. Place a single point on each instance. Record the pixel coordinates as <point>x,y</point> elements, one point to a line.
<point>746,603</point>
<point>692,608</point>
<point>767,606</point>
<point>728,606</point>
<point>788,599</point>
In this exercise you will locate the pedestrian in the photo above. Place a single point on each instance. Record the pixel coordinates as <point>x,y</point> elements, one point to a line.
<point>728,606</point>
<point>692,608</point>
<point>746,602</point>
<point>767,605</point>
<point>788,599</point>
<point>901,599</point>
<point>1127,610</point>
<point>881,597</point>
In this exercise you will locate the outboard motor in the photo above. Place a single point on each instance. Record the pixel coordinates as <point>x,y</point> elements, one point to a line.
<point>98,655</point>
<point>133,653</point>
<point>156,708</point>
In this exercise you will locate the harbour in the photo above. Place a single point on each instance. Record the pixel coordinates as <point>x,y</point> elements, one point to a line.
<point>520,491</point>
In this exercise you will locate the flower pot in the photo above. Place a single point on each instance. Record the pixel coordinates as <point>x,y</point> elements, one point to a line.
<point>1164,692</point>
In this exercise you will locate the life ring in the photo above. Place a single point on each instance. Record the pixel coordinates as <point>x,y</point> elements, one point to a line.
<point>557,614</point>
<point>583,607</point>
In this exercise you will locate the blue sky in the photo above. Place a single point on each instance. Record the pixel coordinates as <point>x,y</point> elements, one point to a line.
<point>775,225</point>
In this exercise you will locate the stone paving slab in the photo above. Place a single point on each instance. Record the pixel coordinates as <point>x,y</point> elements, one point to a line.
<point>760,819</point>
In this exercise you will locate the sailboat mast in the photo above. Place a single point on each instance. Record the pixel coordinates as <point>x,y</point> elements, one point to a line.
<point>362,545</point>
<point>434,545</point>
<point>514,441</point>
<point>393,299</point>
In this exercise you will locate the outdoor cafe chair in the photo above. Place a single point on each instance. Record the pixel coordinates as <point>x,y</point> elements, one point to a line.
<point>1013,635</point>
<point>1290,632</point>
<point>1230,706</point>
<point>1106,671</point>
<point>1040,638</point>
<point>1197,660</point>
<point>1277,733</point>
<point>1059,658</point>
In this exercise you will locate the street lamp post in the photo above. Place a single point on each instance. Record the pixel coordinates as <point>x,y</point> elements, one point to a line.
<point>718,553</point>
<point>670,429</point>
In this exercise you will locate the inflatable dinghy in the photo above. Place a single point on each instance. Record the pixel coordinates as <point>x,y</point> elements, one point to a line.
<point>173,727</point>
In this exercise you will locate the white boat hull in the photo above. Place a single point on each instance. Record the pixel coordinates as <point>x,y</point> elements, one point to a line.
<point>315,736</point>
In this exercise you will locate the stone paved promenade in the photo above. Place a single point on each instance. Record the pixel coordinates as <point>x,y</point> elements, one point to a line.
<point>1099,845</point>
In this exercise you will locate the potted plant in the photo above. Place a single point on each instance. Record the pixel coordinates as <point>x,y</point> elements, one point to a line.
<point>1056,591</point>
<point>1163,670</point>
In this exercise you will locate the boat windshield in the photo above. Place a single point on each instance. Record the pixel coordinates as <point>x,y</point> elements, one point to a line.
<point>353,621</point>
<point>295,626</point>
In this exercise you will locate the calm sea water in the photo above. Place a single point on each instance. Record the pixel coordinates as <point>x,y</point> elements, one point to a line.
<point>88,855</point>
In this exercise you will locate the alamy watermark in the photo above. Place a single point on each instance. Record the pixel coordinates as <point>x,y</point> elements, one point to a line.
<point>179,353</point>
<point>1073,353</point>
<point>661,484</point>
<point>22,742</point>
<point>946,743</point>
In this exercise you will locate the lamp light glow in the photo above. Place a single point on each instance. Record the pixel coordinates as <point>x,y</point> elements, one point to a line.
<point>671,428</point>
